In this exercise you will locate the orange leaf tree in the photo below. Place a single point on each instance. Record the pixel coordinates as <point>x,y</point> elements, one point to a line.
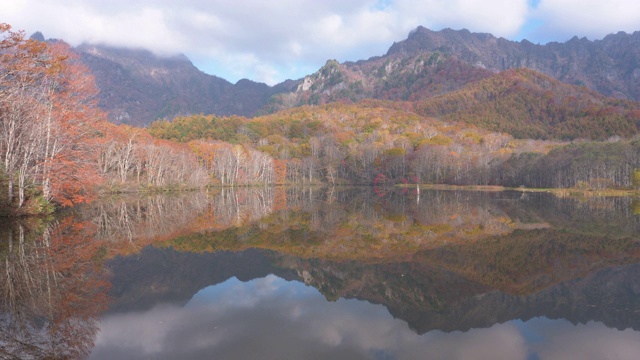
<point>48,113</point>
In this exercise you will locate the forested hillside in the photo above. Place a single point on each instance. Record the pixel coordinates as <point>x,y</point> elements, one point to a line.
<point>380,143</point>
<point>528,104</point>
<point>56,146</point>
<point>522,102</point>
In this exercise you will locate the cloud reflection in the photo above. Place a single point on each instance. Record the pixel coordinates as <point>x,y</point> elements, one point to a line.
<point>590,341</point>
<point>271,318</point>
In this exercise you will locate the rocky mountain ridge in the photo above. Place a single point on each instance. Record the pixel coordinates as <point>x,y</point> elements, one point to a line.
<point>139,87</point>
<point>609,66</point>
<point>431,63</point>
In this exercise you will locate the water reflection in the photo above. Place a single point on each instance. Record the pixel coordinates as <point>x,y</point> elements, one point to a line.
<point>453,261</point>
<point>270,318</point>
<point>52,292</point>
<point>426,297</point>
<point>440,217</point>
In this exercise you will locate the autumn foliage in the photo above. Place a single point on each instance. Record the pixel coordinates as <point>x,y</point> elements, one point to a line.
<point>55,145</point>
<point>47,120</point>
<point>528,104</point>
<point>369,141</point>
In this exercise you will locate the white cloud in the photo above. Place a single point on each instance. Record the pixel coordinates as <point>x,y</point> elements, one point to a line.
<point>590,341</point>
<point>563,19</point>
<point>274,40</point>
<point>282,319</point>
<point>499,17</point>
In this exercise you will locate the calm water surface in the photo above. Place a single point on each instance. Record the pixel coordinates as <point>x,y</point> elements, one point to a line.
<point>326,274</point>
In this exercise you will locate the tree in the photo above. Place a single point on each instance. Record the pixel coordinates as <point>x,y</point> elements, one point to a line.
<point>48,113</point>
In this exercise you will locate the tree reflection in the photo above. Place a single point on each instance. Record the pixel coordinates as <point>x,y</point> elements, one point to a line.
<point>140,220</point>
<point>345,222</point>
<point>52,289</point>
<point>354,224</point>
<point>424,259</point>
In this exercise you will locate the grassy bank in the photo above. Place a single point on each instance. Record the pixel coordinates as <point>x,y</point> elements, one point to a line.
<point>568,192</point>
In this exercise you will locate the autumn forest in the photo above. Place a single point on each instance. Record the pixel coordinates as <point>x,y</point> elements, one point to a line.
<point>515,129</point>
<point>458,192</point>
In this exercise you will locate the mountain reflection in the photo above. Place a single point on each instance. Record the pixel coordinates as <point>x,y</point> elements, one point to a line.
<point>270,318</point>
<point>438,261</point>
<point>426,297</point>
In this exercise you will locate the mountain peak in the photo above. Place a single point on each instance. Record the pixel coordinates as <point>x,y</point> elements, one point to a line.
<point>139,86</point>
<point>446,40</point>
<point>37,36</point>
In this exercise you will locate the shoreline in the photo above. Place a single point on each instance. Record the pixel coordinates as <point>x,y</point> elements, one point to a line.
<point>560,192</point>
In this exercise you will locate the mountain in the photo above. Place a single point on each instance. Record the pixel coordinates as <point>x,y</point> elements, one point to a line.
<point>610,66</point>
<point>155,282</point>
<point>427,297</point>
<point>434,62</point>
<point>396,77</point>
<point>138,87</point>
<point>529,104</point>
<point>526,90</point>
<point>521,102</point>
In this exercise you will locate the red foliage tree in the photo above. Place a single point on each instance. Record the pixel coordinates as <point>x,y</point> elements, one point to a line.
<point>48,113</point>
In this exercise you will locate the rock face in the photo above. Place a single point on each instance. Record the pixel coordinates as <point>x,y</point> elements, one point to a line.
<point>431,63</point>
<point>138,87</point>
<point>610,66</point>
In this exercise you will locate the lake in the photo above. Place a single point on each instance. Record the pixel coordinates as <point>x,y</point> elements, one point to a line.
<point>336,273</point>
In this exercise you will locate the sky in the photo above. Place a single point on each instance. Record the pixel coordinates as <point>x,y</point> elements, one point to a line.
<point>278,319</point>
<point>273,40</point>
